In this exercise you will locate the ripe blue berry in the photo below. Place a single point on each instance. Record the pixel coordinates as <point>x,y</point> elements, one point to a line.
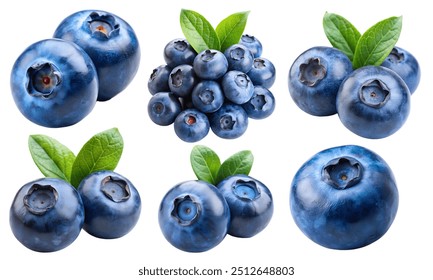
<point>191,125</point>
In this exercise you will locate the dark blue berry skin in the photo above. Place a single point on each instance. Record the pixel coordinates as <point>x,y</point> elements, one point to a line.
<point>46,215</point>
<point>315,77</point>
<point>194,216</point>
<point>253,44</point>
<point>261,105</point>
<point>344,197</point>
<point>229,122</point>
<point>178,52</point>
<point>262,73</point>
<point>182,80</point>
<point>239,58</point>
<point>405,65</point>
<point>163,108</point>
<point>111,43</point>
<point>237,87</point>
<point>54,83</point>
<point>111,202</point>
<point>191,125</point>
<point>250,202</point>
<point>210,65</point>
<point>158,80</point>
<point>373,102</point>
<point>207,96</point>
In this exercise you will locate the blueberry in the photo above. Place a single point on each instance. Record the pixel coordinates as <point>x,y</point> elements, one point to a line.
<point>158,80</point>
<point>315,77</point>
<point>261,105</point>
<point>111,202</point>
<point>210,65</point>
<point>191,125</point>
<point>250,202</point>
<point>207,96</point>
<point>194,216</point>
<point>405,65</point>
<point>163,108</point>
<point>182,80</point>
<point>54,83</point>
<point>111,43</point>
<point>344,197</point>
<point>262,73</point>
<point>46,215</point>
<point>237,87</point>
<point>178,52</point>
<point>229,122</point>
<point>373,102</point>
<point>253,44</point>
<point>239,58</point>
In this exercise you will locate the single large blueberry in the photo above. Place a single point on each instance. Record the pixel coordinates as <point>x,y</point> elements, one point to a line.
<point>194,216</point>
<point>250,202</point>
<point>111,43</point>
<point>405,65</point>
<point>373,102</point>
<point>54,83</point>
<point>111,202</point>
<point>315,77</point>
<point>344,197</point>
<point>46,215</point>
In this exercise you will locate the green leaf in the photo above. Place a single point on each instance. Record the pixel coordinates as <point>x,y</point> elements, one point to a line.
<point>101,152</point>
<point>205,163</point>
<point>198,31</point>
<point>230,29</point>
<point>341,33</point>
<point>239,163</point>
<point>51,157</point>
<point>377,42</point>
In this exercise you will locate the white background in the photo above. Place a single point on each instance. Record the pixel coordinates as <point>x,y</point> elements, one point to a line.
<point>154,159</point>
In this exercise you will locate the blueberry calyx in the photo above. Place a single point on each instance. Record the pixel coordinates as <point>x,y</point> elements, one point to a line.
<point>311,72</point>
<point>177,78</point>
<point>185,210</point>
<point>180,45</point>
<point>242,80</point>
<point>395,56</point>
<point>342,173</point>
<point>103,26</point>
<point>206,96</point>
<point>40,199</point>
<point>43,79</point>
<point>227,122</point>
<point>246,190</point>
<point>258,101</point>
<point>374,93</point>
<point>115,189</point>
<point>208,55</point>
<point>237,54</point>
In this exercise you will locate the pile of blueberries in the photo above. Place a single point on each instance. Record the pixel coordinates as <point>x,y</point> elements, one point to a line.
<point>195,216</point>
<point>371,101</point>
<point>93,56</point>
<point>48,214</point>
<point>211,90</point>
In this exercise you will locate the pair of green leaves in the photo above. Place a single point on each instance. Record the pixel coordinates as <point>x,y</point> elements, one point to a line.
<point>55,160</point>
<point>369,48</point>
<point>202,36</point>
<point>207,165</point>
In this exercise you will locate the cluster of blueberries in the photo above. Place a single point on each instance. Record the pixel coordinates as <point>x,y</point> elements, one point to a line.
<point>211,90</point>
<point>195,216</point>
<point>93,56</point>
<point>48,214</point>
<point>371,101</point>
